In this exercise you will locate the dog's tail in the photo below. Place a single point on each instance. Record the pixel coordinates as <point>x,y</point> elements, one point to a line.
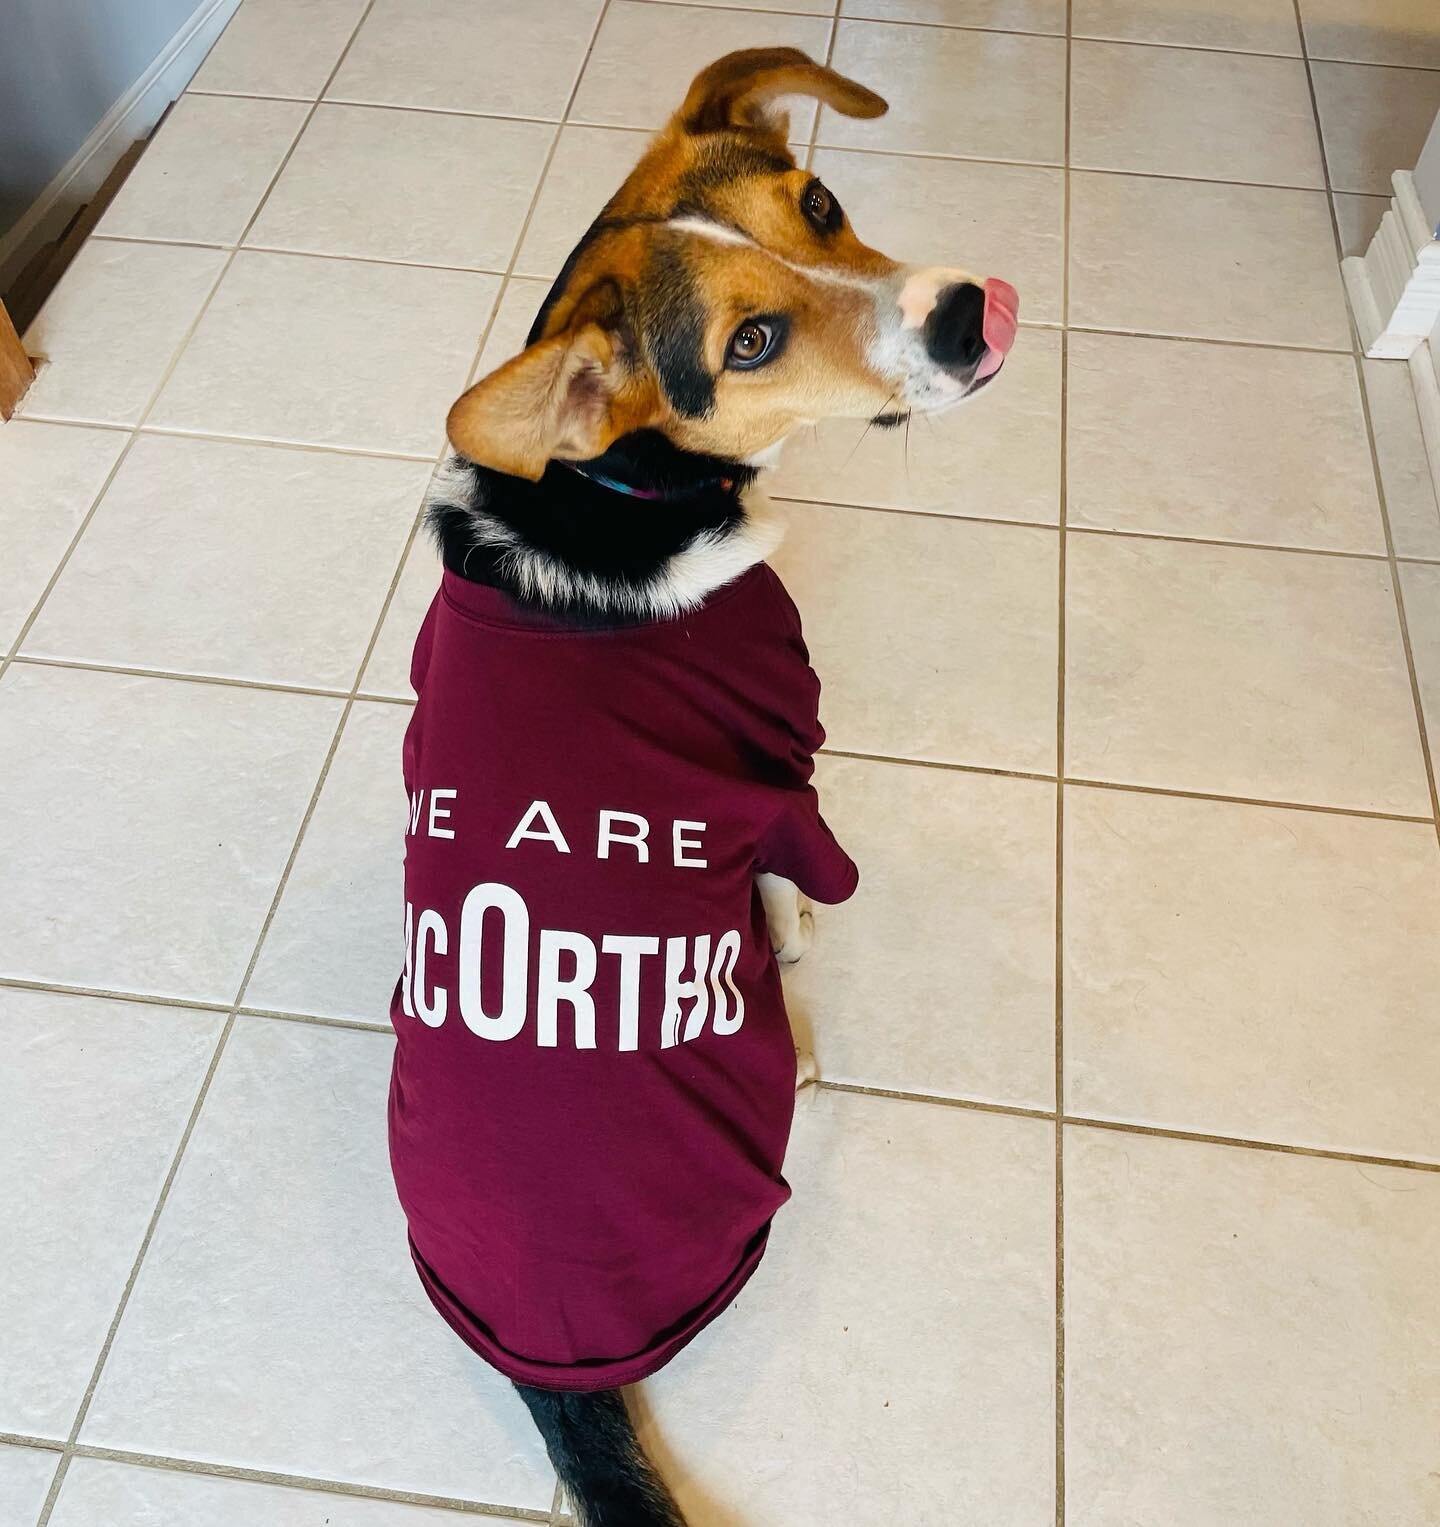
<point>593,1446</point>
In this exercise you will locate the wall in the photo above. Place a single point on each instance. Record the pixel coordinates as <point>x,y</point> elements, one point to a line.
<point>63,64</point>
<point>1427,176</point>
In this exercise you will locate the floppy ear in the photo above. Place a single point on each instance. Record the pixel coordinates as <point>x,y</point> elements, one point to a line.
<point>568,396</point>
<point>735,90</point>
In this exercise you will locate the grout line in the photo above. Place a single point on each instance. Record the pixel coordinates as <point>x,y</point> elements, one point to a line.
<point>169,432</point>
<point>438,111</point>
<point>215,1470</point>
<point>65,989</point>
<point>1082,782</point>
<point>1247,800</point>
<point>1060,673</point>
<point>1127,1127</point>
<point>1090,530</point>
<point>299,254</point>
<point>1358,360</point>
<point>367,259</point>
<point>970,1105</point>
<point>41,660</point>
<point>1242,1142</point>
<point>1201,339</point>
<point>830,40</point>
<point>22,1439</point>
<point>316,1020</point>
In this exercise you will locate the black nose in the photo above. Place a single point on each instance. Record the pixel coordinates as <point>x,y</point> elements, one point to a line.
<point>954,331</point>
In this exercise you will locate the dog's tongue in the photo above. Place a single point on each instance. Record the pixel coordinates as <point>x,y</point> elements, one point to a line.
<point>1002,310</point>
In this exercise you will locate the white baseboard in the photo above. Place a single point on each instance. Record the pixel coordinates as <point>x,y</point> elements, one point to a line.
<point>1394,286</point>
<point>1425,379</point>
<point>130,118</point>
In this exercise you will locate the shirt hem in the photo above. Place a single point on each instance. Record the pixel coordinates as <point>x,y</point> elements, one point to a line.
<point>590,1374</point>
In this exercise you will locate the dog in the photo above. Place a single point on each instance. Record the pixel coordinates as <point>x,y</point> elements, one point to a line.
<point>612,832</point>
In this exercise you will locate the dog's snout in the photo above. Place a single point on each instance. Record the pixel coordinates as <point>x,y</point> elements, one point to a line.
<point>955,327</point>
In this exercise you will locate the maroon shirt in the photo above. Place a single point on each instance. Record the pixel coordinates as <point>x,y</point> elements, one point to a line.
<point>595,1077</point>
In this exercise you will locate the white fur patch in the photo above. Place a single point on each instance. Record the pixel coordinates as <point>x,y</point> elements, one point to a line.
<point>708,561</point>
<point>721,233</point>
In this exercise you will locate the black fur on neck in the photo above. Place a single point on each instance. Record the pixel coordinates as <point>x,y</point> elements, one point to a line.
<point>615,543</point>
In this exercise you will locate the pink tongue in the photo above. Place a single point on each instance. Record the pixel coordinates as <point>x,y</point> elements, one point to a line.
<point>1002,309</point>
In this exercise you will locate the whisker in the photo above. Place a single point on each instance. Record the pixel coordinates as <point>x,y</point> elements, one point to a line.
<point>868,428</point>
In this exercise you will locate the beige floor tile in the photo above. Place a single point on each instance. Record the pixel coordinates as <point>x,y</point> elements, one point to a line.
<point>874,1371</point>
<point>1374,121</point>
<point>519,304</point>
<point>1373,31</point>
<point>388,671</point>
<point>1249,1337</point>
<point>278,1323</point>
<point>995,457</point>
<point>590,164</point>
<point>1239,970</point>
<point>1420,583</point>
<point>334,945</point>
<point>51,475</point>
<point>406,185</point>
<point>146,823</point>
<point>1359,218</point>
<point>110,328</point>
<point>997,15</point>
<point>204,173</point>
<point>1181,111</point>
<point>1210,261</point>
<point>993,219</point>
<point>1259,26</point>
<point>262,591</point>
<point>939,976</point>
<point>508,56</point>
<point>978,95</point>
<point>1264,674</point>
<point>1166,436</point>
<point>122,1495</point>
<point>644,59</point>
<point>94,1096</point>
<point>1410,500</point>
<point>25,1475</point>
<point>329,352</point>
<point>280,47</point>
<point>949,656</point>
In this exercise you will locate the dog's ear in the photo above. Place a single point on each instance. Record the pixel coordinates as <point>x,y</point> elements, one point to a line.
<point>737,90</point>
<point>569,396</point>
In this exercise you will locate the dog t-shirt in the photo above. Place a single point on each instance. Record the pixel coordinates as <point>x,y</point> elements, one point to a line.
<point>594,1079</point>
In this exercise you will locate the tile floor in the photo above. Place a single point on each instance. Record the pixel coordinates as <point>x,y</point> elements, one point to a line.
<point>1142,1234</point>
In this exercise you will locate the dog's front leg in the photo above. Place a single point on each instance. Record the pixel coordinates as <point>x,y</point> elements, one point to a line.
<point>792,924</point>
<point>792,929</point>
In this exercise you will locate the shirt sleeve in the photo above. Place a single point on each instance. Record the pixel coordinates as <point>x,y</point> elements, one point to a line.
<point>800,846</point>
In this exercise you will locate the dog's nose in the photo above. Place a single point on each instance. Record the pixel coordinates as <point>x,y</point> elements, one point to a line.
<point>971,328</point>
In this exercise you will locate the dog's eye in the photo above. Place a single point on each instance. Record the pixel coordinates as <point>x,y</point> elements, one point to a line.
<point>750,344</point>
<point>821,207</point>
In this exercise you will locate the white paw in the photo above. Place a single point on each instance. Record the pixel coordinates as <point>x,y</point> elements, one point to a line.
<point>806,1071</point>
<point>800,938</point>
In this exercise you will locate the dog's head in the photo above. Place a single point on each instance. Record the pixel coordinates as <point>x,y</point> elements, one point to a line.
<point>722,298</point>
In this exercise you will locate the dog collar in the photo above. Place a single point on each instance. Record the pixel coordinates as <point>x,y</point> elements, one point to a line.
<point>654,495</point>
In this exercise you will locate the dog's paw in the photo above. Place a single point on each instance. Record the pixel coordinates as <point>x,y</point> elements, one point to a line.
<point>806,1071</point>
<point>799,939</point>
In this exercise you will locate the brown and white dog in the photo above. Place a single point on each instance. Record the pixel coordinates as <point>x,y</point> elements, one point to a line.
<point>720,300</point>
